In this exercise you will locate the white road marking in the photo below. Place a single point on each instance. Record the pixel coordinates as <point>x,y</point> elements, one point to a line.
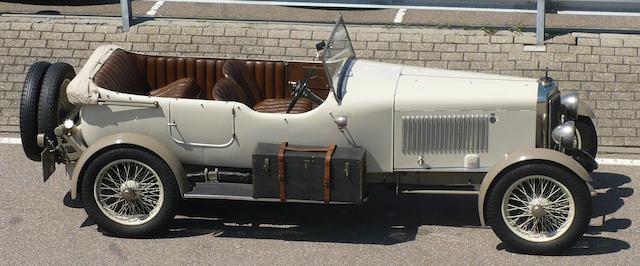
<point>400,15</point>
<point>613,161</point>
<point>601,161</point>
<point>316,4</point>
<point>154,8</point>
<point>15,141</point>
<point>599,13</point>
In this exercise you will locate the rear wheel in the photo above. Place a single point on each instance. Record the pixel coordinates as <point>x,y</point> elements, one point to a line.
<point>53,104</point>
<point>29,109</point>
<point>130,193</point>
<point>539,208</point>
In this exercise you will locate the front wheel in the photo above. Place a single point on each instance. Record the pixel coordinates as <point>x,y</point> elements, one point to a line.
<point>130,193</point>
<point>539,208</point>
<point>586,136</point>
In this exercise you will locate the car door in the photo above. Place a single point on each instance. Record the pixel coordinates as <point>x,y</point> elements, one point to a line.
<point>201,123</point>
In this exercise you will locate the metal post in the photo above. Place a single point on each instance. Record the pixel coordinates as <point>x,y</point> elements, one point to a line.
<point>126,14</point>
<point>540,22</point>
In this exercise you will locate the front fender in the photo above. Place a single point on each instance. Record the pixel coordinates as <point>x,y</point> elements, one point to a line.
<point>515,158</point>
<point>128,139</point>
<point>585,110</point>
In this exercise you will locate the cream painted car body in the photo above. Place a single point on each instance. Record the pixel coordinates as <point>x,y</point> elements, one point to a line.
<point>379,103</point>
<point>378,96</point>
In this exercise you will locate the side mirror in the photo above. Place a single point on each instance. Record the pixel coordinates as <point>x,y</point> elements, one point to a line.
<point>320,46</point>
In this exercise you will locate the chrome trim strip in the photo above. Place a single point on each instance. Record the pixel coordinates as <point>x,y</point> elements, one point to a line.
<point>153,104</point>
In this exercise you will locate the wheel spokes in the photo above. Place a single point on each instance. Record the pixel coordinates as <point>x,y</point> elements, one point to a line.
<point>128,191</point>
<point>537,208</point>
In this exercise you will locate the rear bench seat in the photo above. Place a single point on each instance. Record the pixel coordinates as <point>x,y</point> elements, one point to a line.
<point>119,73</point>
<point>161,70</point>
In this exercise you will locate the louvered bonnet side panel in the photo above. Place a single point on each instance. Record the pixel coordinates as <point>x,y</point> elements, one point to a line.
<point>445,134</point>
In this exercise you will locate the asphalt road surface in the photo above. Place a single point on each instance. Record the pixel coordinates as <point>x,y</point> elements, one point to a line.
<point>39,224</point>
<point>149,9</point>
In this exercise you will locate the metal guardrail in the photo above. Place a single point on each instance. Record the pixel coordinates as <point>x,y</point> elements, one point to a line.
<point>540,7</point>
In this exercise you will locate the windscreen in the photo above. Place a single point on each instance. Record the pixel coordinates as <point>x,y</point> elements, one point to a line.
<point>336,55</point>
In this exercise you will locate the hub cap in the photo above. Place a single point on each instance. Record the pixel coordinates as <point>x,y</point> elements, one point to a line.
<point>538,208</point>
<point>128,192</point>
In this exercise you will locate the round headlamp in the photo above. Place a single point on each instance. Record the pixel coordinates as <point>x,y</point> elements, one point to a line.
<point>570,102</point>
<point>565,134</point>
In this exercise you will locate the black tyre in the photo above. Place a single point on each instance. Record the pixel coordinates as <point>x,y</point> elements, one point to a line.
<point>53,104</point>
<point>539,208</point>
<point>586,136</point>
<point>29,109</point>
<point>136,191</point>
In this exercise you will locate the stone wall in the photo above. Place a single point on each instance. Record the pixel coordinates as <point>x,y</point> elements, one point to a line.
<point>603,68</point>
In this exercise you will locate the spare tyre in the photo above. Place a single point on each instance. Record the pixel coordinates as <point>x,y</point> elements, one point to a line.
<point>29,109</point>
<point>53,104</point>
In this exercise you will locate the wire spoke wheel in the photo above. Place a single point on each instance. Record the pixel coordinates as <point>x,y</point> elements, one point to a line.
<point>128,192</point>
<point>538,208</point>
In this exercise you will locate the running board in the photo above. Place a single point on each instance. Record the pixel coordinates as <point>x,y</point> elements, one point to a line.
<point>239,192</point>
<point>441,192</point>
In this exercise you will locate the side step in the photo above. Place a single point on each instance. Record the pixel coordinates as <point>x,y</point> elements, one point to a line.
<point>214,190</point>
<point>236,191</point>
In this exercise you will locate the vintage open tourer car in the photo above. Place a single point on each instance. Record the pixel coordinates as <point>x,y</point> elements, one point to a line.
<point>140,133</point>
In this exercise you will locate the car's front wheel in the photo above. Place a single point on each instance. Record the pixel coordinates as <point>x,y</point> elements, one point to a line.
<point>586,136</point>
<point>539,208</point>
<point>129,192</point>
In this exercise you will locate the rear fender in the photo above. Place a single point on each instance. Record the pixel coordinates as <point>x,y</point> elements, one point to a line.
<point>528,156</point>
<point>131,140</point>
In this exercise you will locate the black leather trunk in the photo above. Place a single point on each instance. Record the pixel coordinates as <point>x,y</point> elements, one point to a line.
<point>304,172</point>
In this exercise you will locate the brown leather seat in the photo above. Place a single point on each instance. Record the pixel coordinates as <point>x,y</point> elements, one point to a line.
<point>239,72</point>
<point>182,88</point>
<point>281,105</point>
<point>227,89</point>
<point>120,73</point>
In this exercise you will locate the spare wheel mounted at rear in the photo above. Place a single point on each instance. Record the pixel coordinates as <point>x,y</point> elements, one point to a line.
<point>131,140</point>
<point>522,157</point>
<point>29,109</point>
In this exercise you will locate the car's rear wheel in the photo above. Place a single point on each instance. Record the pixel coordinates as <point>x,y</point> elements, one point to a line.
<point>53,104</point>
<point>130,193</point>
<point>29,109</point>
<point>539,208</point>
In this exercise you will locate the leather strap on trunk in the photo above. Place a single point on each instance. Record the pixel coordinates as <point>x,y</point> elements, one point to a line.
<point>283,148</point>
<point>327,173</point>
<point>326,180</point>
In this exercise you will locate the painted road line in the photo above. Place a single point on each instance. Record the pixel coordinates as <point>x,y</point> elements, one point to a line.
<point>613,161</point>
<point>154,8</point>
<point>338,5</point>
<point>16,141</point>
<point>400,15</point>
<point>601,161</point>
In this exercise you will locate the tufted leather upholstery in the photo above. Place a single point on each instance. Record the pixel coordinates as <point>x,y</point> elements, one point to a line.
<point>228,90</point>
<point>239,72</point>
<point>182,88</point>
<point>281,105</point>
<point>159,70</point>
<point>119,73</point>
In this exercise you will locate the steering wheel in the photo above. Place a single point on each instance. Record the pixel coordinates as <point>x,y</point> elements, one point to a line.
<point>302,89</point>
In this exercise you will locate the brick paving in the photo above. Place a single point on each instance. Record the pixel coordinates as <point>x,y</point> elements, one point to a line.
<point>603,68</point>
